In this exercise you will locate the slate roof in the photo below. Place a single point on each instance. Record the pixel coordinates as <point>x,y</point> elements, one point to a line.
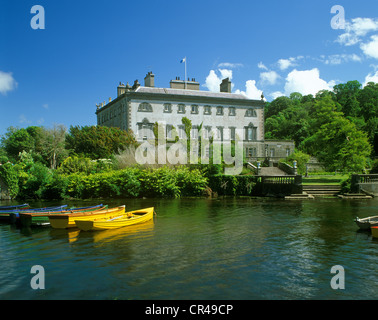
<point>193,93</point>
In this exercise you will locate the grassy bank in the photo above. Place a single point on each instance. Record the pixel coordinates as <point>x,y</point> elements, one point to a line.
<point>329,179</point>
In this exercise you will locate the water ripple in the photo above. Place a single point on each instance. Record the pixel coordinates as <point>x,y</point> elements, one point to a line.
<point>202,249</point>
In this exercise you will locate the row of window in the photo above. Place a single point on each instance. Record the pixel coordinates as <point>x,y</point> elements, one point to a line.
<point>251,152</point>
<point>145,131</point>
<point>181,108</point>
<point>194,109</point>
<point>112,113</point>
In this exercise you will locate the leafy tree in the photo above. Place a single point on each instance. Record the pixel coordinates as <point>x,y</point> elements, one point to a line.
<point>290,123</point>
<point>3,156</point>
<point>84,165</point>
<point>187,128</point>
<point>368,99</point>
<point>301,158</point>
<point>278,105</point>
<point>9,175</point>
<point>53,145</point>
<point>32,176</point>
<point>346,95</point>
<point>159,133</point>
<point>98,142</point>
<point>17,140</point>
<point>296,97</point>
<point>336,141</point>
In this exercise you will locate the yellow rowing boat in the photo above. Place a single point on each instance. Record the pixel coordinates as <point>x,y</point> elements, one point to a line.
<point>62,221</point>
<point>122,220</point>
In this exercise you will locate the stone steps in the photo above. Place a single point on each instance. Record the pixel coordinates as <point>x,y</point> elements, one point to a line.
<point>355,196</point>
<point>322,190</point>
<point>300,196</point>
<point>272,171</point>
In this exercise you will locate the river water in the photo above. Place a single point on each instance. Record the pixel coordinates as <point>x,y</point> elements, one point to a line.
<point>234,248</point>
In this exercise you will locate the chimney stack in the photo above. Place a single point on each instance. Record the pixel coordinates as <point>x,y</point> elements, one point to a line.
<point>149,80</point>
<point>225,86</point>
<point>136,85</point>
<point>120,89</point>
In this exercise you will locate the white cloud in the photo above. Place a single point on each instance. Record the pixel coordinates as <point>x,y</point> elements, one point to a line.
<point>306,82</point>
<point>371,48</point>
<point>260,65</point>
<point>7,82</point>
<point>213,81</point>
<point>230,65</point>
<point>269,77</point>
<point>45,106</point>
<point>251,90</point>
<point>226,73</point>
<point>340,58</point>
<point>356,29</point>
<point>276,94</point>
<point>283,64</point>
<point>371,78</point>
<point>286,63</point>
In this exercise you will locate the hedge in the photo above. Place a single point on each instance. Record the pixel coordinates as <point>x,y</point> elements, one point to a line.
<point>130,183</point>
<point>232,185</point>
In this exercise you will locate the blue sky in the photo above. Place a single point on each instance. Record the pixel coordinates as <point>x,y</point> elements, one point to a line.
<point>58,74</point>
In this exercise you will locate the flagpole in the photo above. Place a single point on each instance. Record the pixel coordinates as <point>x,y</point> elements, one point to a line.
<point>185,73</point>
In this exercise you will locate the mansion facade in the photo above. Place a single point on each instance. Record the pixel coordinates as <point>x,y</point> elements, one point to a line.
<point>223,115</point>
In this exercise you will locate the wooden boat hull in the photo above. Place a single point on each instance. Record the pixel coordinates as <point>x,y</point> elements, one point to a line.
<point>374,231</point>
<point>127,219</point>
<point>13,216</point>
<point>366,223</point>
<point>63,221</point>
<point>30,219</point>
<point>19,206</point>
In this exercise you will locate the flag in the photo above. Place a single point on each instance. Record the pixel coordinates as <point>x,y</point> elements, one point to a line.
<point>183,60</point>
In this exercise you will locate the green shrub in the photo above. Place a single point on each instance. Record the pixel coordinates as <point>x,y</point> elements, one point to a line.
<point>10,177</point>
<point>161,182</point>
<point>232,185</point>
<point>112,184</point>
<point>301,158</point>
<point>346,185</point>
<point>85,165</point>
<point>190,182</point>
<point>56,188</point>
<point>33,179</point>
<point>374,167</point>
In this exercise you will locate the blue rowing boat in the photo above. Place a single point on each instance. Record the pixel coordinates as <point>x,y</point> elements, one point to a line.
<point>29,219</point>
<point>14,214</point>
<point>19,206</point>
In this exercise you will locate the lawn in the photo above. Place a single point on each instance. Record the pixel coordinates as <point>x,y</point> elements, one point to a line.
<point>331,179</point>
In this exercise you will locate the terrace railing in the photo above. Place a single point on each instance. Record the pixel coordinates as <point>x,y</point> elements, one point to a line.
<point>279,185</point>
<point>366,183</point>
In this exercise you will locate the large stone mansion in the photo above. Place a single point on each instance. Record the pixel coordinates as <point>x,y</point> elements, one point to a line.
<point>222,114</point>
